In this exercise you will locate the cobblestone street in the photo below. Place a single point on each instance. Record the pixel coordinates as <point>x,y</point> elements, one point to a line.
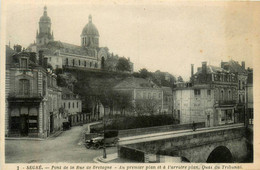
<point>64,148</point>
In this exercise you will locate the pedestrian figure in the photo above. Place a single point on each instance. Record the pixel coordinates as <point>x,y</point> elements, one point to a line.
<point>193,126</point>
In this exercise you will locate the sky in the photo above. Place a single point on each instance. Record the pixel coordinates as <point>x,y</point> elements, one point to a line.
<point>159,35</point>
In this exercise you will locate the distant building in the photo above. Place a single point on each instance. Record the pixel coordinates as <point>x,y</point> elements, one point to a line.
<point>72,106</point>
<point>194,103</point>
<point>250,97</point>
<point>33,99</point>
<point>167,100</point>
<point>210,96</point>
<point>142,92</point>
<point>89,55</point>
<point>239,70</point>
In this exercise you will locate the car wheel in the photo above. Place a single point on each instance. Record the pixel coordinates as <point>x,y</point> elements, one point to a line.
<point>97,146</point>
<point>115,141</point>
<point>87,146</point>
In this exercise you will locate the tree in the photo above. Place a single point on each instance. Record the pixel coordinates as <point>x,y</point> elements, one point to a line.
<point>123,101</point>
<point>144,73</point>
<point>123,64</point>
<point>111,64</point>
<point>180,79</point>
<point>146,106</point>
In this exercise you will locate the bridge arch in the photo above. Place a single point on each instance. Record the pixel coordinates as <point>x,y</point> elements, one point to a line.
<point>185,160</point>
<point>220,154</point>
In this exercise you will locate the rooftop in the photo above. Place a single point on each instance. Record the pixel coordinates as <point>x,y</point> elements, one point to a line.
<point>133,82</point>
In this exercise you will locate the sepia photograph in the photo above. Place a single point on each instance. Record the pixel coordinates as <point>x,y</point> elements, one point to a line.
<point>114,82</point>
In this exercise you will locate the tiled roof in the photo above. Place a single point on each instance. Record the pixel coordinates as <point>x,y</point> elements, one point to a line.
<point>212,69</point>
<point>133,82</point>
<point>234,67</point>
<point>66,48</point>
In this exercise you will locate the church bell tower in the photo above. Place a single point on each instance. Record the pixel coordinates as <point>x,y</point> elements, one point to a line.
<point>44,35</point>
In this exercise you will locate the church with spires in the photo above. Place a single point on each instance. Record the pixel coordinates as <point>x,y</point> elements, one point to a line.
<point>60,54</point>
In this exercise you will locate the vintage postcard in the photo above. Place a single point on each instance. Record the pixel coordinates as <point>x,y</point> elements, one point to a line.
<point>129,85</point>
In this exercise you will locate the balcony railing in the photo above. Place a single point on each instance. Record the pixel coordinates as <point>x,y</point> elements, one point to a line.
<point>23,95</point>
<point>226,102</point>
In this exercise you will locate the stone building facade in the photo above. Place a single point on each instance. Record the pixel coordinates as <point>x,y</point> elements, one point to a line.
<point>143,92</point>
<point>72,105</point>
<point>33,99</point>
<point>250,97</point>
<point>89,55</point>
<point>210,96</point>
<point>235,68</point>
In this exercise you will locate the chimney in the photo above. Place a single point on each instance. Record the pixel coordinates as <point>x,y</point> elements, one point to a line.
<point>17,48</point>
<point>41,58</point>
<point>243,64</point>
<point>192,69</point>
<point>222,64</point>
<point>45,62</point>
<point>204,67</point>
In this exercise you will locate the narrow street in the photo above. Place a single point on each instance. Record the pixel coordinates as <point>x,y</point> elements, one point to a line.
<point>64,148</point>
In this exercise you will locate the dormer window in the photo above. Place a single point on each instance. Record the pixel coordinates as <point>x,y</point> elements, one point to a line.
<point>24,63</point>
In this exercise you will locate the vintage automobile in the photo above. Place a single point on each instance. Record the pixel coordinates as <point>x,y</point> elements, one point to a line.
<point>97,140</point>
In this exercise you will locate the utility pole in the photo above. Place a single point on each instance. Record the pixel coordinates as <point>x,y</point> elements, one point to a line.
<point>104,125</point>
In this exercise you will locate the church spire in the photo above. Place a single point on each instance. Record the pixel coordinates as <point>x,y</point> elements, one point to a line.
<point>45,11</point>
<point>44,35</point>
<point>90,18</point>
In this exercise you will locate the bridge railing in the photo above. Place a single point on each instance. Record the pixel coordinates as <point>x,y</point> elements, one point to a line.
<point>158,129</point>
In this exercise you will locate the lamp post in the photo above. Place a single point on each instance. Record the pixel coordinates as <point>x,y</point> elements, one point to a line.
<point>104,126</point>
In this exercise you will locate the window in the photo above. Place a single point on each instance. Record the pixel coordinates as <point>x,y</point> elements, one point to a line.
<point>85,63</point>
<point>96,65</point>
<point>90,64</point>
<point>73,105</point>
<point>196,92</point>
<point>67,61</point>
<point>239,84</point>
<point>209,92</point>
<point>24,86</point>
<point>64,105</point>
<point>69,105</point>
<point>222,95</point>
<point>79,62</point>
<point>229,95</point>
<point>44,87</point>
<point>77,104</point>
<point>23,63</point>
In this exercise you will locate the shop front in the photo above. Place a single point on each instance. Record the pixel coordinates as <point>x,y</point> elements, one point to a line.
<point>225,115</point>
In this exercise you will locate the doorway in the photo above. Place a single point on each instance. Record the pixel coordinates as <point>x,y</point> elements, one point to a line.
<point>24,125</point>
<point>51,122</point>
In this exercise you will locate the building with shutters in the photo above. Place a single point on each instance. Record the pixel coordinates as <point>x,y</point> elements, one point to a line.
<point>33,99</point>
<point>210,97</point>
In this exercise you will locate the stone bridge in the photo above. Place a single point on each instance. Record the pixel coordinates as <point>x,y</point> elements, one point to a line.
<point>217,144</point>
